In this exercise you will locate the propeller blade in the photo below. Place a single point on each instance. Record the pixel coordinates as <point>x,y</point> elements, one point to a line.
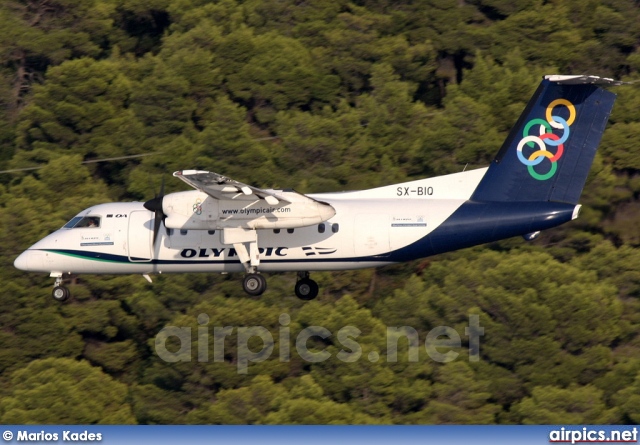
<point>156,226</point>
<point>155,205</point>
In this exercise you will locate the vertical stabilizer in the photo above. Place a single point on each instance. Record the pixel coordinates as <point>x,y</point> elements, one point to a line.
<point>548,153</point>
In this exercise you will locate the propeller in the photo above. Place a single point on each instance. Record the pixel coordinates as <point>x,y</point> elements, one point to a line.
<point>155,205</point>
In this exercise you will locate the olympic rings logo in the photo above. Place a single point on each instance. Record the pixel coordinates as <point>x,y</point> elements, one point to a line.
<point>197,207</point>
<point>546,138</point>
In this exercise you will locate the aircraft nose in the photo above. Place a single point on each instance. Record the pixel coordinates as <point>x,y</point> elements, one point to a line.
<point>22,261</point>
<point>30,260</point>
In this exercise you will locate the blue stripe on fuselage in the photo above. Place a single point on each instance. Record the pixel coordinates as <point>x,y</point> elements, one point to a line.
<point>484,222</point>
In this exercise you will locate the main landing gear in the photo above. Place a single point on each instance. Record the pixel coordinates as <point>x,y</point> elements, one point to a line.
<point>254,284</point>
<point>245,243</point>
<point>306,289</point>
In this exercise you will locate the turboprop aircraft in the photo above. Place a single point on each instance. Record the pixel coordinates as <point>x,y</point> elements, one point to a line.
<point>533,184</point>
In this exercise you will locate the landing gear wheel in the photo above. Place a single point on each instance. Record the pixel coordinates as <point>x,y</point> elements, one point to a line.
<point>60,293</point>
<point>254,284</point>
<point>306,289</point>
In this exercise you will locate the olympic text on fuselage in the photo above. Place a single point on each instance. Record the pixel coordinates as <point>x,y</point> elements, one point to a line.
<point>206,252</point>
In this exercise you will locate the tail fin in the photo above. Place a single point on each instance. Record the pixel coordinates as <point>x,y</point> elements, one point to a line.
<point>548,153</point>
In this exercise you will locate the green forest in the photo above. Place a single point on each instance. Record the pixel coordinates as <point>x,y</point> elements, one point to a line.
<point>318,96</point>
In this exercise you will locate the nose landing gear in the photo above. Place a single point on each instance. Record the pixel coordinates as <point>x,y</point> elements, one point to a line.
<point>60,293</point>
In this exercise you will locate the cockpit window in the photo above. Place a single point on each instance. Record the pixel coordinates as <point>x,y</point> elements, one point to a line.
<point>72,223</point>
<point>83,222</point>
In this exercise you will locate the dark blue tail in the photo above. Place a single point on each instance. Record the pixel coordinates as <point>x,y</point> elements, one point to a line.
<point>548,153</point>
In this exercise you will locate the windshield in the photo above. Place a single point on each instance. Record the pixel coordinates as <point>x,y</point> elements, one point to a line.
<point>83,222</point>
<point>72,223</point>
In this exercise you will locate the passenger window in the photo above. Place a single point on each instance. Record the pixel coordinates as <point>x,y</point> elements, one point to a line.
<point>335,228</point>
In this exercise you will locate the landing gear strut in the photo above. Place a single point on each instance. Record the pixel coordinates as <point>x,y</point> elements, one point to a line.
<point>306,289</point>
<point>245,243</point>
<point>60,293</point>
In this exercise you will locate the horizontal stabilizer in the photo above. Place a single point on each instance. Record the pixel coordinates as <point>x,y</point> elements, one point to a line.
<point>583,80</point>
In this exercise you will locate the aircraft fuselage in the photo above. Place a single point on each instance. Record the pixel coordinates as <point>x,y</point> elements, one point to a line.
<point>367,227</point>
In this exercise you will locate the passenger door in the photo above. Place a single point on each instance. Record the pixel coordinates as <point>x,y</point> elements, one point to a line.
<point>140,235</point>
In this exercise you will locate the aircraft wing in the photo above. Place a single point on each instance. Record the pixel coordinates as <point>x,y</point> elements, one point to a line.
<point>221,187</point>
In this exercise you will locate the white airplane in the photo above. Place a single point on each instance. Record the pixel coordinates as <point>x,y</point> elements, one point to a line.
<point>223,226</point>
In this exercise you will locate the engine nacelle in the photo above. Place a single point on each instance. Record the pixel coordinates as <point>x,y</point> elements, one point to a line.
<point>194,210</point>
